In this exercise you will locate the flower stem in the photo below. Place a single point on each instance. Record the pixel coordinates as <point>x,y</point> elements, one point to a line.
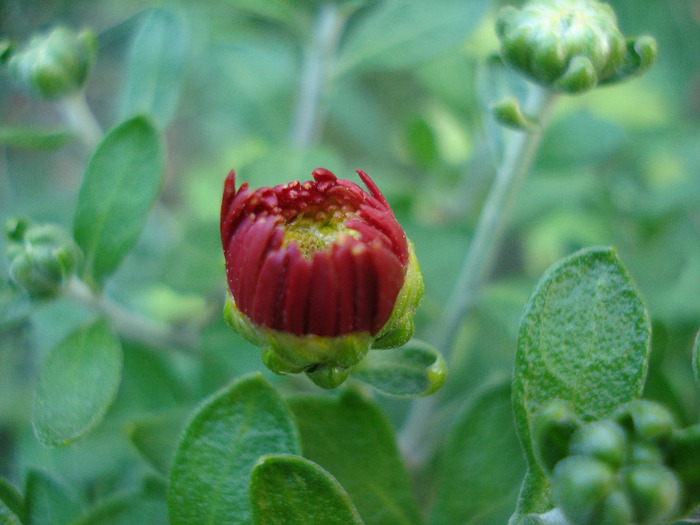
<point>318,58</point>
<point>521,148</point>
<point>81,118</point>
<point>156,334</point>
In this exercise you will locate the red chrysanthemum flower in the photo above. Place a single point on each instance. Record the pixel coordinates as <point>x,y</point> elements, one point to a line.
<point>317,272</point>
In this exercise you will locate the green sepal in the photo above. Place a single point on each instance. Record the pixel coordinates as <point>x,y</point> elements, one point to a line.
<point>653,491</point>
<point>507,111</point>
<point>580,76</point>
<point>646,420</point>
<point>640,56</point>
<point>398,330</point>
<point>603,440</point>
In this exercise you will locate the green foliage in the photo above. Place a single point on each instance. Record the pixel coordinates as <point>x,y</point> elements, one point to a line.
<point>78,383</point>
<point>34,138</point>
<point>50,500</point>
<point>350,437</point>
<point>415,369</point>
<point>12,506</point>
<point>228,433</point>
<point>290,490</point>
<point>121,183</point>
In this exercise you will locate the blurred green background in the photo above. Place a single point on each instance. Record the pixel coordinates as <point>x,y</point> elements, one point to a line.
<point>405,100</point>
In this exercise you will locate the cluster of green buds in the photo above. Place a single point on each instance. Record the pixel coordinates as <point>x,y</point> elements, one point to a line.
<point>42,257</point>
<point>570,46</point>
<point>634,467</point>
<point>55,64</point>
<point>318,272</point>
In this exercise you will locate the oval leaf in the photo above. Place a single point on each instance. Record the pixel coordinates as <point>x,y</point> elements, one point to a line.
<point>211,471</point>
<point>416,369</point>
<point>121,183</point>
<point>156,66</point>
<point>584,337</point>
<point>404,34</point>
<point>290,490</point>
<point>12,509</point>
<point>50,500</point>
<point>480,466</point>
<point>351,438</point>
<point>78,383</point>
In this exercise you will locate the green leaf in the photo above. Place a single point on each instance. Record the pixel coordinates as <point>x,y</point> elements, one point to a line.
<point>696,358</point>
<point>211,471</point>
<point>122,181</point>
<point>78,383</point>
<point>291,490</point>
<point>12,508</point>
<point>50,500</point>
<point>156,67</point>
<point>585,338</point>
<point>404,34</point>
<point>156,438</point>
<point>351,438</point>
<point>23,137</point>
<point>480,466</point>
<point>286,12</point>
<point>416,369</point>
<point>127,509</point>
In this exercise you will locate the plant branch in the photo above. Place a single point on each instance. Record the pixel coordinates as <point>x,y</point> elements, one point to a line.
<point>519,154</point>
<point>317,62</point>
<point>154,333</point>
<point>81,118</point>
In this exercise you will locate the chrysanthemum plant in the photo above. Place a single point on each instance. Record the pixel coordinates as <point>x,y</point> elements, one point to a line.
<point>321,277</point>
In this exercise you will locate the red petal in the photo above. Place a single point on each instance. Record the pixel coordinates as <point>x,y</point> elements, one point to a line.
<point>390,278</point>
<point>373,189</point>
<point>268,293</point>
<point>254,250</point>
<point>342,260</point>
<point>234,254</point>
<point>323,301</point>
<point>296,288</point>
<point>365,288</point>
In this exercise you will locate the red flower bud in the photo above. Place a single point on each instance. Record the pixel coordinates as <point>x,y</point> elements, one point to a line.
<point>323,259</point>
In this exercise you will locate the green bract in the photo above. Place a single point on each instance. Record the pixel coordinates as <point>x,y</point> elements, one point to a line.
<point>42,257</point>
<point>56,64</point>
<point>570,45</point>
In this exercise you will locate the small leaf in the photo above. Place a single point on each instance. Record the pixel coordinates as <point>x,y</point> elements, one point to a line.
<point>404,34</point>
<point>12,508</point>
<point>121,183</point>
<point>696,358</point>
<point>156,437</point>
<point>156,66</point>
<point>480,466</point>
<point>211,471</point>
<point>127,509</point>
<point>291,490</point>
<point>34,138</point>
<point>585,338</point>
<point>416,369</point>
<point>50,500</point>
<point>78,383</point>
<point>351,438</point>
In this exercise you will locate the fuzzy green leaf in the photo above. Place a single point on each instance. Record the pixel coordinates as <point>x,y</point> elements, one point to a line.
<point>156,66</point>
<point>291,490</point>
<point>416,369</point>
<point>12,508</point>
<point>156,436</point>
<point>78,383</point>
<point>50,500</point>
<point>480,467</point>
<point>351,438</point>
<point>211,471</point>
<point>121,183</point>
<point>585,338</point>
<point>404,34</point>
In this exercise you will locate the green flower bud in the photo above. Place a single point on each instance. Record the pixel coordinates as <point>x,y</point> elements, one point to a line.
<point>581,486</point>
<point>603,440</point>
<point>653,491</point>
<point>568,45</point>
<point>56,64</point>
<point>646,420</point>
<point>554,424</point>
<point>42,258</point>
<point>616,510</point>
<point>641,451</point>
